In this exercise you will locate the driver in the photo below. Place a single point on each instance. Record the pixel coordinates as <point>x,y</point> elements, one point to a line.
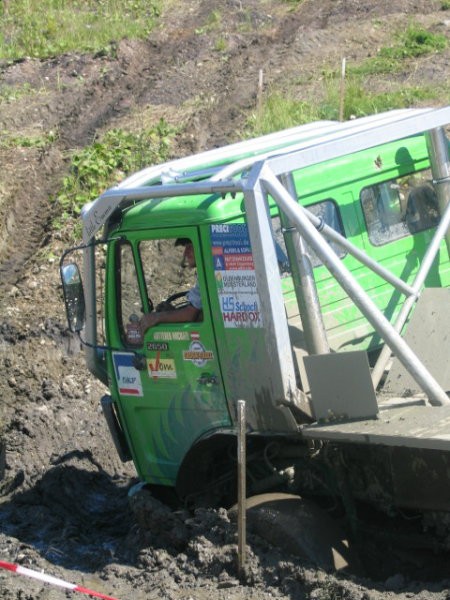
<point>190,312</point>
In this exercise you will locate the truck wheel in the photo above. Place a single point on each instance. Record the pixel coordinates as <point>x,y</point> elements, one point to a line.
<point>298,526</point>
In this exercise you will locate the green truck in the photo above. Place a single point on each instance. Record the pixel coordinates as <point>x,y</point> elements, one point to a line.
<point>323,270</point>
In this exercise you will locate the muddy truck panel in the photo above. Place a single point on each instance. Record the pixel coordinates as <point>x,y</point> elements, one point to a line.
<point>312,248</point>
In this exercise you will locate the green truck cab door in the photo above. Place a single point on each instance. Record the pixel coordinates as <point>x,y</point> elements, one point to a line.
<point>166,381</point>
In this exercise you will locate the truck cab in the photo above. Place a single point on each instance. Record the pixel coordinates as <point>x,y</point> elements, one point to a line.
<point>277,299</point>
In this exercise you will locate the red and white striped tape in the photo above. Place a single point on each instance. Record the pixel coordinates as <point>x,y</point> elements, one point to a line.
<point>52,580</point>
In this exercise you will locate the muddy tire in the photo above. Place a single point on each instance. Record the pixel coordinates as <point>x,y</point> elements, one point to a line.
<point>299,527</point>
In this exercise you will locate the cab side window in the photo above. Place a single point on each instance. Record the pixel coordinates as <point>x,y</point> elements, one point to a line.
<point>399,207</point>
<point>328,211</point>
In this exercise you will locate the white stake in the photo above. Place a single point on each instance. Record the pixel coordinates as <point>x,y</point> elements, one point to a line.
<point>241,484</point>
<point>342,92</point>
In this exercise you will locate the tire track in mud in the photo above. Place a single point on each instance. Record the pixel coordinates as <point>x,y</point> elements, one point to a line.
<point>34,175</point>
<point>76,110</point>
<point>25,227</point>
<point>144,73</point>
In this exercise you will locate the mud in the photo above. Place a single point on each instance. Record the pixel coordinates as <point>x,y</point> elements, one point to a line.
<point>64,507</point>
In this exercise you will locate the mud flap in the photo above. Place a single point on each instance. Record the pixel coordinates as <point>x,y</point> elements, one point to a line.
<point>299,527</point>
<point>341,386</point>
<point>428,336</point>
<point>115,429</point>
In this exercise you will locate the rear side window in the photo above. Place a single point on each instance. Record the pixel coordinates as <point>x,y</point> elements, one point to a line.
<point>328,211</point>
<point>399,207</point>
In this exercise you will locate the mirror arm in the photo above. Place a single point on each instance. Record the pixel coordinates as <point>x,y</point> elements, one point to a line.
<point>139,359</point>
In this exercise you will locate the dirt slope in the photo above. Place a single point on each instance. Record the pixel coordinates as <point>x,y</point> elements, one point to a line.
<point>64,507</point>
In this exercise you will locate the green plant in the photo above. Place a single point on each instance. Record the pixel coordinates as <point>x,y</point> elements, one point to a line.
<point>107,161</point>
<point>9,93</point>
<point>412,43</point>
<point>415,41</point>
<point>359,103</point>
<point>212,22</point>
<point>24,141</point>
<point>445,5</point>
<point>220,45</point>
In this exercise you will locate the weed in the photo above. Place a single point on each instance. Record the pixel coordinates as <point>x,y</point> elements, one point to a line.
<point>220,45</point>
<point>445,5</point>
<point>9,93</point>
<point>412,43</point>
<point>359,103</point>
<point>107,161</point>
<point>213,22</point>
<point>22,141</point>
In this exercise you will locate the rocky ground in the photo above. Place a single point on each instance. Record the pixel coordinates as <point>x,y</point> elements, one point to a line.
<point>64,506</point>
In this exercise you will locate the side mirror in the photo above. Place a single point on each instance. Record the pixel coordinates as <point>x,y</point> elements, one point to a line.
<point>73,297</point>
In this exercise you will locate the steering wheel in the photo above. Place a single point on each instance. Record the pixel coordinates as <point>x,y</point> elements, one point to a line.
<point>170,303</point>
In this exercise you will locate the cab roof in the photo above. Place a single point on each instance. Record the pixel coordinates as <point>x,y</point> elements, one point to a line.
<point>191,187</point>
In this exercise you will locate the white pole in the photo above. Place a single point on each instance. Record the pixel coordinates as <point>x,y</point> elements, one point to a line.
<point>241,456</point>
<point>342,91</point>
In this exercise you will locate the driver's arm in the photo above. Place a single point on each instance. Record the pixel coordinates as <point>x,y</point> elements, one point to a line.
<point>180,315</point>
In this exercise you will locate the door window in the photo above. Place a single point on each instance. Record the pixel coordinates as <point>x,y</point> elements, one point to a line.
<point>166,269</point>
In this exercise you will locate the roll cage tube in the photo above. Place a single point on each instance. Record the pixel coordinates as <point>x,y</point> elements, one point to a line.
<point>80,306</point>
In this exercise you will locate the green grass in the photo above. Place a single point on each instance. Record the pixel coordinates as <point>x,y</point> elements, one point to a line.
<point>358,102</point>
<point>52,27</point>
<point>10,93</point>
<point>412,43</point>
<point>281,111</point>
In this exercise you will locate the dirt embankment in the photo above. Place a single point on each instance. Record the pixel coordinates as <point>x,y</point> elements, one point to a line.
<point>64,499</point>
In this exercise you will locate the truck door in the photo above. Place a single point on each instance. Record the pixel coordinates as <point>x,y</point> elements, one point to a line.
<point>169,387</point>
